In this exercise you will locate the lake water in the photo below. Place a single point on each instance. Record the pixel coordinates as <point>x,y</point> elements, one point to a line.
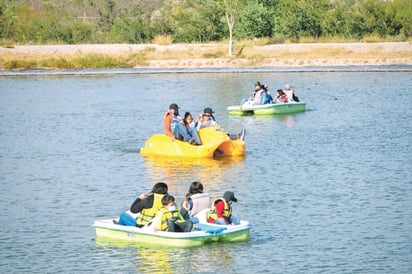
<point>327,191</point>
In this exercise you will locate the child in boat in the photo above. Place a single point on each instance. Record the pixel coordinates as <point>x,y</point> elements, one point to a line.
<point>281,97</point>
<point>189,124</point>
<point>221,212</point>
<point>170,219</point>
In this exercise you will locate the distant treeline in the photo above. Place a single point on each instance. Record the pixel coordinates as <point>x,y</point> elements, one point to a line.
<point>199,21</point>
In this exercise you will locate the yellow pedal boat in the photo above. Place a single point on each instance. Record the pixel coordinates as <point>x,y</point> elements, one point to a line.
<point>214,142</point>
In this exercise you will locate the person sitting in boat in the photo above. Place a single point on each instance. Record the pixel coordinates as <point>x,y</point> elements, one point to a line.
<point>221,211</point>
<point>281,97</point>
<point>209,111</point>
<point>266,97</point>
<point>169,218</point>
<point>147,205</point>
<point>259,96</point>
<point>208,120</point>
<point>290,93</point>
<point>174,128</point>
<point>195,200</point>
<point>189,124</point>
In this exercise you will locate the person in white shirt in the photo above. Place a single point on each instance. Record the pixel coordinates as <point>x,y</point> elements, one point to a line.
<point>290,93</point>
<point>195,200</point>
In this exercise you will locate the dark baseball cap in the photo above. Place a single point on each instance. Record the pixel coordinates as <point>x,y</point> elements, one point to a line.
<point>208,110</point>
<point>229,196</point>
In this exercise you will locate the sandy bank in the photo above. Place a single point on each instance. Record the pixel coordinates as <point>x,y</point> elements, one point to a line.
<point>204,55</point>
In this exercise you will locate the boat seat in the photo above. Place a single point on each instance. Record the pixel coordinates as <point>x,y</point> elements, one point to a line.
<point>201,215</point>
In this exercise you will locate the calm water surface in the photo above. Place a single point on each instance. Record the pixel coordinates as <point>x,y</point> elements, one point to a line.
<point>327,191</point>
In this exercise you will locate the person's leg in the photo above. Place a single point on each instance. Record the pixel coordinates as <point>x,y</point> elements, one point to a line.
<point>242,134</point>
<point>187,226</point>
<point>126,219</point>
<point>171,227</point>
<point>179,129</point>
<point>179,226</point>
<point>234,219</point>
<point>193,132</point>
<point>220,221</point>
<point>184,213</point>
<point>184,226</point>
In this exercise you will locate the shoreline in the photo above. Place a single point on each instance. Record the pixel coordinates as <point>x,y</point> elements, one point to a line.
<point>206,56</point>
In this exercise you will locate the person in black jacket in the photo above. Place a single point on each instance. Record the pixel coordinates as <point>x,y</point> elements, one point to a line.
<point>147,205</point>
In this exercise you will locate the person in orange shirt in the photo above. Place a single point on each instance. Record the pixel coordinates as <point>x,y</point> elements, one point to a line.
<point>174,128</point>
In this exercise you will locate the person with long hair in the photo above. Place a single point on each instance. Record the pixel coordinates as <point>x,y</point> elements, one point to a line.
<point>195,200</point>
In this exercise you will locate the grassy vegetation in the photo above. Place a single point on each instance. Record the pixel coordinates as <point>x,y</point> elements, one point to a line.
<point>163,40</point>
<point>77,61</point>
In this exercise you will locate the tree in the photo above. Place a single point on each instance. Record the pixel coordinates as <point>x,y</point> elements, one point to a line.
<point>403,16</point>
<point>196,20</point>
<point>230,8</point>
<point>254,20</point>
<point>295,19</point>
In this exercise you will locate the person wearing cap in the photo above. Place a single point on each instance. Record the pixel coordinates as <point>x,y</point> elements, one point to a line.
<point>209,111</point>
<point>290,93</point>
<point>259,96</point>
<point>208,120</point>
<point>221,211</point>
<point>174,128</point>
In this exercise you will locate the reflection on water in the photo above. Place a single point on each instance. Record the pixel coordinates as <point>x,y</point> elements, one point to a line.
<point>154,260</point>
<point>289,120</point>
<point>148,259</point>
<point>213,257</point>
<point>174,171</point>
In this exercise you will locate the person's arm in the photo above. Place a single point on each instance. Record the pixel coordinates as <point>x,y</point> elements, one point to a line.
<point>187,202</point>
<point>142,202</point>
<point>166,124</point>
<point>190,204</point>
<point>199,125</point>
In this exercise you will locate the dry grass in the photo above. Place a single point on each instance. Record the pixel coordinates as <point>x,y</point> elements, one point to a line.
<point>259,52</point>
<point>163,40</point>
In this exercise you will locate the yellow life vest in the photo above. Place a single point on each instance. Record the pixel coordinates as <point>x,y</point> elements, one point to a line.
<point>147,214</point>
<point>169,215</point>
<point>227,211</point>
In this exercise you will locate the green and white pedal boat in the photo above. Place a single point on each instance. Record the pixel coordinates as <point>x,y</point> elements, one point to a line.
<point>205,233</point>
<point>267,109</point>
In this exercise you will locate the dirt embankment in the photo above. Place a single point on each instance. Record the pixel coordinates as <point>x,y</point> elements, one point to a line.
<point>205,55</point>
